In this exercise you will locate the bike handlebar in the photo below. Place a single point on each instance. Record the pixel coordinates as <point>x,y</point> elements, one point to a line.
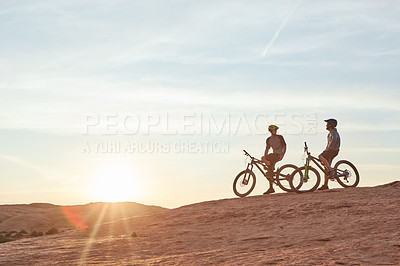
<point>247,154</point>
<point>306,148</point>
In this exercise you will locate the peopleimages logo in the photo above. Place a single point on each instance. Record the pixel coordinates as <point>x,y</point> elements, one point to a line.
<point>199,123</point>
<point>200,132</point>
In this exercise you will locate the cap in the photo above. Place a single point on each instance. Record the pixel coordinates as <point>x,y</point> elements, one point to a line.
<point>331,121</point>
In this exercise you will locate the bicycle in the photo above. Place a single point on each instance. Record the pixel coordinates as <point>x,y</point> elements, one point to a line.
<point>245,181</point>
<point>307,178</point>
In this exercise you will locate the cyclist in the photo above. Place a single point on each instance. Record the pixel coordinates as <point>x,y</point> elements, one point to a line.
<point>278,145</point>
<point>331,151</point>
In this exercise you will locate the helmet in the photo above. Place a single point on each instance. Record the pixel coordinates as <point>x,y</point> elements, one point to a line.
<point>273,127</point>
<point>331,121</point>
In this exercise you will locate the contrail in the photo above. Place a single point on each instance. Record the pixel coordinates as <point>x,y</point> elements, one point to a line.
<point>276,34</point>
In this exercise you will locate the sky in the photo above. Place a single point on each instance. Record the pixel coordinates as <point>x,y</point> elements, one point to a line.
<point>154,101</point>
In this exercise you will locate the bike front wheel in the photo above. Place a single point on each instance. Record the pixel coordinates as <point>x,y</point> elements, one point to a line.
<point>244,183</point>
<point>284,175</point>
<point>305,181</point>
<point>346,174</point>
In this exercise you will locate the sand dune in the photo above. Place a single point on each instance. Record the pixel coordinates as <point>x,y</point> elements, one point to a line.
<point>339,226</point>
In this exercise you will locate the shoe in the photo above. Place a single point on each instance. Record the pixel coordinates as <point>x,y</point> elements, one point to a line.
<point>323,187</point>
<point>269,191</point>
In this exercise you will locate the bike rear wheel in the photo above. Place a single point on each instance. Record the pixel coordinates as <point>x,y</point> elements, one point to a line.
<point>283,176</point>
<point>301,183</point>
<point>346,174</point>
<point>244,183</point>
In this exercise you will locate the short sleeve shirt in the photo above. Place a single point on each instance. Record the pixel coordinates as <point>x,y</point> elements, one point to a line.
<point>277,144</point>
<point>333,140</point>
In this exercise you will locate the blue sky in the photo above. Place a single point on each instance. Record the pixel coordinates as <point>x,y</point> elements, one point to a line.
<point>62,61</point>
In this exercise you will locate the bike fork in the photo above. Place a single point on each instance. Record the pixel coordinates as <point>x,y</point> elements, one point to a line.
<point>305,177</point>
<point>247,173</point>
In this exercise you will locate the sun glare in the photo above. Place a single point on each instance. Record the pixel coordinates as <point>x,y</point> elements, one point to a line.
<point>115,183</point>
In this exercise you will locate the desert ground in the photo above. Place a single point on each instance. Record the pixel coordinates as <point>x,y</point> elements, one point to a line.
<point>352,226</point>
<point>41,217</point>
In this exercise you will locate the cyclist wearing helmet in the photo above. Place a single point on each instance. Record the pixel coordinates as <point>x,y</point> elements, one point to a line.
<point>332,149</point>
<point>278,145</point>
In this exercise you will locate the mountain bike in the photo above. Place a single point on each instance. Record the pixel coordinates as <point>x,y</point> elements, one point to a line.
<point>307,178</point>
<point>245,181</point>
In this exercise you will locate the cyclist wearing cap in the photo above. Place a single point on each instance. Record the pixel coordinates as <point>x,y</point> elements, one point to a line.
<point>332,149</point>
<point>278,145</point>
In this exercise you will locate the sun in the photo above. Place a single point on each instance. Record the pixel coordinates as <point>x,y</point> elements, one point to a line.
<point>115,183</point>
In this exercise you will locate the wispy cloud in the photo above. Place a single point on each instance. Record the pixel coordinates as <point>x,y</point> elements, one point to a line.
<point>65,112</point>
<point>44,171</point>
<point>21,162</point>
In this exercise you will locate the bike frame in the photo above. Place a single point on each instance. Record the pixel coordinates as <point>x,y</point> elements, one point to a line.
<point>317,162</point>
<point>257,163</point>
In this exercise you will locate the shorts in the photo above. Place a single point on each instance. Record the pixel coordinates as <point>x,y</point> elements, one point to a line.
<point>329,155</point>
<point>272,158</point>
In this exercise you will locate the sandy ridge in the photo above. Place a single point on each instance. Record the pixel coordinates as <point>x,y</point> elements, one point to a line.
<point>336,227</point>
